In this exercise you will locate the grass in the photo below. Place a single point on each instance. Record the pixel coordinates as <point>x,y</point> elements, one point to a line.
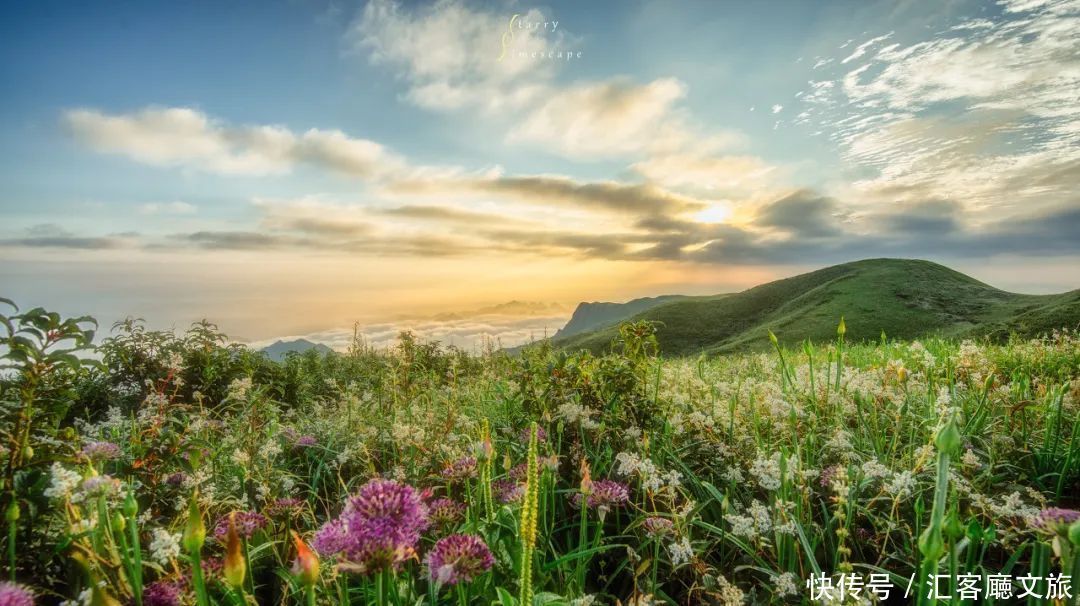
<point>180,465</point>
<point>905,299</point>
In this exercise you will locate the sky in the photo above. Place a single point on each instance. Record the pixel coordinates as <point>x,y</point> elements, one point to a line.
<point>304,167</point>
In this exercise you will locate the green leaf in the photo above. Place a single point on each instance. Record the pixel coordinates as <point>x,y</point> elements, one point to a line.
<point>505,599</point>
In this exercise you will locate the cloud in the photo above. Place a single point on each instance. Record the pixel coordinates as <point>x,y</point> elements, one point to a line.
<point>606,119</point>
<point>168,208</point>
<point>444,214</point>
<point>731,175</point>
<point>803,214</point>
<point>934,217</point>
<point>983,113</point>
<point>448,53</point>
<point>183,137</point>
<point>793,228</point>
<point>49,235</point>
<point>186,138</point>
<point>558,190</point>
<point>505,325</point>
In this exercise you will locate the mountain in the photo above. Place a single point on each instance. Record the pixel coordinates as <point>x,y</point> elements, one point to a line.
<point>278,350</point>
<point>904,298</point>
<point>596,315</point>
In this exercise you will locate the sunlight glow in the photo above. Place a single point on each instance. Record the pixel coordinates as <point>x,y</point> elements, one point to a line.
<point>717,213</point>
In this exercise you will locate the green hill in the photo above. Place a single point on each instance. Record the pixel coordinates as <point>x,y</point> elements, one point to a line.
<point>904,298</point>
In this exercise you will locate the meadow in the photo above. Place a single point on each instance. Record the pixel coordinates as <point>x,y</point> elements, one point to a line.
<point>161,469</point>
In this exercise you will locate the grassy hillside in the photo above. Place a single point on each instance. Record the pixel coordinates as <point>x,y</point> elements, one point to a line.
<point>904,298</point>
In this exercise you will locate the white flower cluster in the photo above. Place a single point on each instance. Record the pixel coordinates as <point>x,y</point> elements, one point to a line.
<point>62,482</point>
<point>839,442</point>
<point>239,388</point>
<point>576,413</point>
<point>919,351</point>
<point>901,485</point>
<point>756,522</point>
<point>680,552</point>
<point>766,470</point>
<point>873,469</point>
<point>652,477</point>
<point>785,584</point>
<point>164,546</point>
<point>85,598</point>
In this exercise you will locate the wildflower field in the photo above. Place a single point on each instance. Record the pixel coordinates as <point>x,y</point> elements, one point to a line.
<point>160,469</point>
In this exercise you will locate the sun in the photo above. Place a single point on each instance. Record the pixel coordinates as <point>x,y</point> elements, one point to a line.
<point>714,213</point>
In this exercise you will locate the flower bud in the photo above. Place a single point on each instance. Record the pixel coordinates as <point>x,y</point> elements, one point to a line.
<point>772,337</point>
<point>195,531</point>
<point>842,328</point>
<point>12,512</point>
<point>586,478</point>
<point>234,567</point>
<point>931,543</point>
<point>131,506</point>
<point>306,565</point>
<point>119,522</point>
<point>949,439</point>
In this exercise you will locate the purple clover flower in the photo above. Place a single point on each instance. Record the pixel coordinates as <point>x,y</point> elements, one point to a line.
<point>518,472</point>
<point>828,475</point>
<point>305,441</point>
<point>657,527</point>
<point>377,530</point>
<point>606,494</point>
<point>162,593</point>
<point>13,594</point>
<point>526,434</point>
<point>445,513</point>
<point>508,491</point>
<point>332,538</point>
<point>247,524</point>
<point>458,558</point>
<point>460,470</point>
<point>101,451</point>
<point>100,486</point>
<point>1055,520</point>
<point>399,505</point>
<point>284,507</point>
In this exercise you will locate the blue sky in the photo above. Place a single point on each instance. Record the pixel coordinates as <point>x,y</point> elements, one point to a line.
<point>292,167</point>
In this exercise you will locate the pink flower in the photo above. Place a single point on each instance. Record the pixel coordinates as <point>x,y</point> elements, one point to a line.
<point>378,529</point>
<point>458,558</point>
<point>13,594</point>
<point>247,524</point>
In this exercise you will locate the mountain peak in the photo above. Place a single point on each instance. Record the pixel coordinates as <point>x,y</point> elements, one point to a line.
<point>280,349</point>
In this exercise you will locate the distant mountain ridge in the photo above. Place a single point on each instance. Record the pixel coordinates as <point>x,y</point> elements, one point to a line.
<point>279,350</point>
<point>600,314</point>
<point>903,298</point>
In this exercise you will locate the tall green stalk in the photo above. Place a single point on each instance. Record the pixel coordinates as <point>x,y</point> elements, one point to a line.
<point>932,542</point>
<point>11,515</point>
<point>194,537</point>
<point>529,513</point>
